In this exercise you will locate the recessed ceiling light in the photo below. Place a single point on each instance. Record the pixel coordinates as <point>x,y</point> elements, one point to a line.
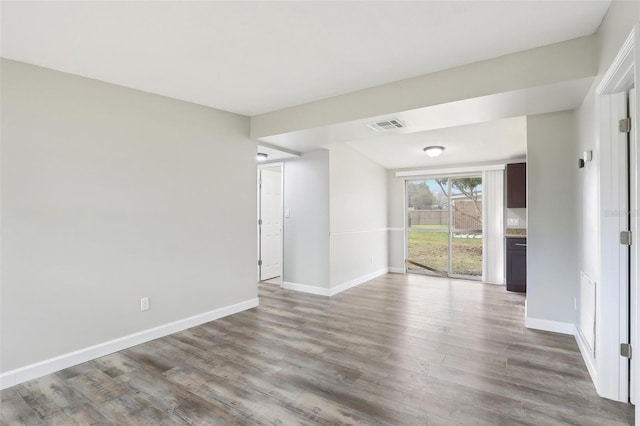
<point>261,156</point>
<point>434,151</point>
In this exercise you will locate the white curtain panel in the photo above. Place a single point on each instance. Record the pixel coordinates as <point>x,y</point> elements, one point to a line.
<point>493,227</point>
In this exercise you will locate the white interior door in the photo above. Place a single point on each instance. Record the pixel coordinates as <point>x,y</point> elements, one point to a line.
<point>634,206</point>
<point>270,222</point>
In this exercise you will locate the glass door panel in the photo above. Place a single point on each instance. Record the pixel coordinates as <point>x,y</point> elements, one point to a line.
<point>466,255</point>
<point>428,227</point>
<point>444,226</point>
<point>466,229</point>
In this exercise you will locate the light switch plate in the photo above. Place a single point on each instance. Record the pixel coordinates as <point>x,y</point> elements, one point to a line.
<point>287,213</point>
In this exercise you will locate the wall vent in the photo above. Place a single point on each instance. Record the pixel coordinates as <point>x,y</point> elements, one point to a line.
<point>381,126</point>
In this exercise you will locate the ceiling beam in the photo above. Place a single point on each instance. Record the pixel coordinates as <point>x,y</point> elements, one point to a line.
<point>566,61</point>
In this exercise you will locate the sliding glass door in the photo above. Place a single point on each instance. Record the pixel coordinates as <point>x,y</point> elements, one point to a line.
<point>444,226</point>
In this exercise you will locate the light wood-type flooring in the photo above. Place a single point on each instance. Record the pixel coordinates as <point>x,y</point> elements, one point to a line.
<point>398,350</point>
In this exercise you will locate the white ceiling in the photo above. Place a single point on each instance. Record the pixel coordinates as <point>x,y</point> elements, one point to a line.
<point>255,57</point>
<point>473,130</point>
<point>499,140</point>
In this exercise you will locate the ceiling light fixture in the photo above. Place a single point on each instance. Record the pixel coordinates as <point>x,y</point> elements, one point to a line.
<point>261,156</point>
<point>434,151</point>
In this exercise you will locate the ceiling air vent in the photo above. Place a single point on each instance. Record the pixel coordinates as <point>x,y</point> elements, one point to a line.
<point>381,126</point>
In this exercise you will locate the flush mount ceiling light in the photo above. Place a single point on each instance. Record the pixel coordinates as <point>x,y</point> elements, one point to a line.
<point>434,151</point>
<point>261,156</point>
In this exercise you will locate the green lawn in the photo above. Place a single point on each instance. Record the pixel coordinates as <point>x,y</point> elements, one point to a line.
<point>437,227</point>
<point>431,249</point>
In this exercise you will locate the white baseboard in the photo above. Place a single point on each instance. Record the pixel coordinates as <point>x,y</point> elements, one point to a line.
<point>33,371</point>
<point>394,270</point>
<point>548,325</point>
<point>321,291</point>
<point>304,288</point>
<point>357,281</point>
<point>587,355</point>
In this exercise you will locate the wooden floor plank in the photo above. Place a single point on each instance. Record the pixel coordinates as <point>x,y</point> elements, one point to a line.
<point>398,350</point>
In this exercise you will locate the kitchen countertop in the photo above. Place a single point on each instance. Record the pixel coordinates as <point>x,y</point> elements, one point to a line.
<point>516,233</point>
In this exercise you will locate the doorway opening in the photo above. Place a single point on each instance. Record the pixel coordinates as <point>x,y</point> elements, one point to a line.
<point>444,226</point>
<point>270,224</point>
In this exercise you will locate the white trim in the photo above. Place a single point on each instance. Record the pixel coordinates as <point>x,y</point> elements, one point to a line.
<point>611,297</point>
<point>620,76</point>
<point>394,270</point>
<point>304,288</point>
<point>448,171</point>
<point>357,281</point>
<point>549,325</point>
<point>328,292</point>
<point>279,148</point>
<point>282,189</point>
<point>587,354</point>
<point>362,231</point>
<point>634,206</point>
<point>612,313</point>
<point>365,231</point>
<point>33,371</point>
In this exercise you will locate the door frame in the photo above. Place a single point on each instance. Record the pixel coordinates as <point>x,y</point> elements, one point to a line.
<point>280,165</point>
<point>455,171</point>
<point>616,306</point>
<point>448,174</point>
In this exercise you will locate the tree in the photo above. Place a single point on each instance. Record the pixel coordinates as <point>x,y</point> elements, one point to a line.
<point>470,188</point>
<point>420,196</point>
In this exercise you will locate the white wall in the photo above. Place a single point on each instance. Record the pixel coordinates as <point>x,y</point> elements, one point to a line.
<point>306,231</point>
<point>615,27</point>
<point>520,215</point>
<point>552,267</point>
<point>109,195</point>
<point>396,203</point>
<point>358,216</point>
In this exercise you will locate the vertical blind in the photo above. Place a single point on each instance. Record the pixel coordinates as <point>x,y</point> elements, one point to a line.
<point>493,237</point>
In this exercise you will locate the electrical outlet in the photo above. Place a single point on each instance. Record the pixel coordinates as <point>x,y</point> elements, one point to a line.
<point>144,304</point>
<point>514,221</point>
<point>575,304</point>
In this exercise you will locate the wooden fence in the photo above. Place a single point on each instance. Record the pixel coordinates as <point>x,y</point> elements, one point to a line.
<point>465,216</point>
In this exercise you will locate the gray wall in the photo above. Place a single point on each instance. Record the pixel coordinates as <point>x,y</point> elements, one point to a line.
<point>520,214</point>
<point>358,215</point>
<point>615,28</point>
<point>110,195</point>
<point>613,31</point>
<point>569,60</point>
<point>395,195</point>
<point>306,231</point>
<point>552,271</point>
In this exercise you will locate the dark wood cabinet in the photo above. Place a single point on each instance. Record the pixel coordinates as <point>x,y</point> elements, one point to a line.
<point>517,264</point>
<point>517,185</point>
